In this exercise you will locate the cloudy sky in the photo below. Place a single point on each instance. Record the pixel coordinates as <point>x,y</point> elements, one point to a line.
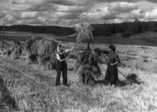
<point>71,12</point>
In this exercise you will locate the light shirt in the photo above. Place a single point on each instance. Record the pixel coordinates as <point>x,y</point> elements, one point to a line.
<point>58,55</point>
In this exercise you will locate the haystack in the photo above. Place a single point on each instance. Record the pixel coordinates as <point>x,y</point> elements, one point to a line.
<point>41,50</point>
<point>5,44</point>
<point>16,50</point>
<point>87,66</point>
<point>87,61</point>
<point>6,47</point>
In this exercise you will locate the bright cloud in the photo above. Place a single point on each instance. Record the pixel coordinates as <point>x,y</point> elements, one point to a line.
<point>151,14</point>
<point>28,14</point>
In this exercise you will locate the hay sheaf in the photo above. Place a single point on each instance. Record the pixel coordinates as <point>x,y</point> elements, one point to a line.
<point>14,49</point>
<point>4,44</point>
<point>17,50</point>
<point>6,47</point>
<point>41,50</point>
<point>87,66</point>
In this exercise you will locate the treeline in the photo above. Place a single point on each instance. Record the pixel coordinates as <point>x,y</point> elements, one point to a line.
<point>126,29</point>
<point>56,30</point>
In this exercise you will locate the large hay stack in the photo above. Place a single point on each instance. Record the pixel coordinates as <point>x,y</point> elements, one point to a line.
<point>41,50</point>
<point>16,50</point>
<point>5,47</point>
<point>87,61</point>
<point>87,66</point>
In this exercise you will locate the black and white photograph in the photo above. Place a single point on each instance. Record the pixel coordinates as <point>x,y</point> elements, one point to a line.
<point>78,55</point>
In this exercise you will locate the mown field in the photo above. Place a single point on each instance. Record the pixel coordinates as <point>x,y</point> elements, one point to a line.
<point>147,38</point>
<point>34,87</point>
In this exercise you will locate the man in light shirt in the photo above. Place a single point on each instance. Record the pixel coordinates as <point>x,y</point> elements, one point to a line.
<point>61,64</point>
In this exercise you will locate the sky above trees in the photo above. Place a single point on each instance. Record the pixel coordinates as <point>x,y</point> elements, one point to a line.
<point>71,12</point>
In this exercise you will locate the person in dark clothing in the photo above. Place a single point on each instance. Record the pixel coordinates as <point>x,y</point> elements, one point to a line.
<point>112,66</point>
<point>61,64</point>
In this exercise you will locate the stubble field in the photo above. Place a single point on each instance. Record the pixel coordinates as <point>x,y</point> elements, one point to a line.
<point>34,88</point>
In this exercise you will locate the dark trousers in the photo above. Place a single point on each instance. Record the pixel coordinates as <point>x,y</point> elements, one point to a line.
<point>61,68</point>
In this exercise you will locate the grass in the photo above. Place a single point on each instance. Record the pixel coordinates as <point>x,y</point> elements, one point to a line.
<point>34,94</point>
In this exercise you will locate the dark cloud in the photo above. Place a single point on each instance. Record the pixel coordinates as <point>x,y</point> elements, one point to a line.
<point>43,7</point>
<point>71,16</point>
<point>62,2</point>
<point>70,2</point>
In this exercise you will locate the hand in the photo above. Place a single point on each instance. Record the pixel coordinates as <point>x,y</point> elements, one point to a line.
<point>112,64</point>
<point>70,49</point>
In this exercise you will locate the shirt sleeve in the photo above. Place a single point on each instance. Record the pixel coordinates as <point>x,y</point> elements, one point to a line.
<point>58,57</point>
<point>67,50</point>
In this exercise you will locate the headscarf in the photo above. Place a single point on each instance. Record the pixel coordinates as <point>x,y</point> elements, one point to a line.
<point>112,47</point>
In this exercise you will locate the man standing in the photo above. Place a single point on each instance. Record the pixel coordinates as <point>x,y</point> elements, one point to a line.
<point>61,64</point>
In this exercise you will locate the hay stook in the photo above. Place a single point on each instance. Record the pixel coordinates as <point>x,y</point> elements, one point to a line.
<point>87,66</point>
<point>17,50</point>
<point>42,51</point>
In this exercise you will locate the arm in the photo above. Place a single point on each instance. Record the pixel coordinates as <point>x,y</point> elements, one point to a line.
<point>58,57</point>
<point>65,53</point>
<point>68,50</point>
<point>112,64</point>
<point>72,35</point>
<point>117,61</point>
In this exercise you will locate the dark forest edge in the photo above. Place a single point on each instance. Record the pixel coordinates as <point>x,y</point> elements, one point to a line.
<point>122,33</point>
<point>127,28</point>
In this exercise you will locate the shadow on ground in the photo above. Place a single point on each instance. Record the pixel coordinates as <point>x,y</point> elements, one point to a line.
<point>130,79</point>
<point>6,98</point>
